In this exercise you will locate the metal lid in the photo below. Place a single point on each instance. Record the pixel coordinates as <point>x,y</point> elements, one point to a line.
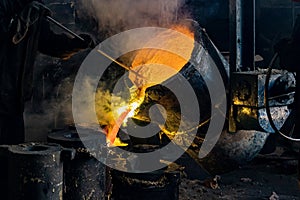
<point>35,149</point>
<point>69,137</point>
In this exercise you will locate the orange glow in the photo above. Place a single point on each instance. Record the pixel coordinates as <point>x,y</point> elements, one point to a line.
<point>153,66</point>
<point>121,115</point>
<point>158,65</point>
<point>112,134</point>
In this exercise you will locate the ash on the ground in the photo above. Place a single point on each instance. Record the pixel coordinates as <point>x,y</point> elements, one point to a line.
<point>270,180</point>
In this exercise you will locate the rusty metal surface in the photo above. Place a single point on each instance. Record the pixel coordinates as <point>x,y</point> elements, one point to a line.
<point>35,171</point>
<point>85,176</point>
<point>247,106</point>
<point>233,150</point>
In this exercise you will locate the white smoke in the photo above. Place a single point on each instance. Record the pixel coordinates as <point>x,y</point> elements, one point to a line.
<point>120,15</point>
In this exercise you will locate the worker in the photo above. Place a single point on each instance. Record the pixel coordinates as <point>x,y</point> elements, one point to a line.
<point>24,31</point>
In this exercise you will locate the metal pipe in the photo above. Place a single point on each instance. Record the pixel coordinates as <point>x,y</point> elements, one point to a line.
<point>232,29</point>
<point>232,61</point>
<point>242,35</point>
<point>245,34</point>
<point>50,19</point>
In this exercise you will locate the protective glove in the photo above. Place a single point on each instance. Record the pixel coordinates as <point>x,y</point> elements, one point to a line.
<point>87,43</point>
<point>31,13</point>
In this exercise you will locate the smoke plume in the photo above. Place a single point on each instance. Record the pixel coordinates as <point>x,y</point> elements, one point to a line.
<point>119,15</point>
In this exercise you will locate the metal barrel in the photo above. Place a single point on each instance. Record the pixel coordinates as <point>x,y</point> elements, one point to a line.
<point>84,176</point>
<point>35,171</point>
<point>162,184</point>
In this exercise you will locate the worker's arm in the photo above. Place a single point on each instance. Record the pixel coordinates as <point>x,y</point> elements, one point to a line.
<point>12,15</point>
<point>60,45</point>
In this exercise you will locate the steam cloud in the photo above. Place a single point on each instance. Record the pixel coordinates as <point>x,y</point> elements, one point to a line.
<point>119,15</point>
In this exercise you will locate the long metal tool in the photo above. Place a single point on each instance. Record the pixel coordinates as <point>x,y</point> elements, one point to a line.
<point>120,64</point>
<point>115,61</point>
<point>50,19</point>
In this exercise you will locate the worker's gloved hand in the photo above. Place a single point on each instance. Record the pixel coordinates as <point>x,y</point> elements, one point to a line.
<point>33,11</point>
<point>87,43</point>
<point>28,16</point>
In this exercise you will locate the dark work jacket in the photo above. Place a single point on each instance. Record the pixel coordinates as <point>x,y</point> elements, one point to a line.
<point>17,60</point>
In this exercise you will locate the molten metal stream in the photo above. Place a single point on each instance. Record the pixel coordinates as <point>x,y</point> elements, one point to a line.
<point>147,69</point>
<point>112,135</point>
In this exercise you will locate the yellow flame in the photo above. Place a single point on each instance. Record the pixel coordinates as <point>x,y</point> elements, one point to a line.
<point>121,110</point>
<point>147,63</point>
<point>131,108</point>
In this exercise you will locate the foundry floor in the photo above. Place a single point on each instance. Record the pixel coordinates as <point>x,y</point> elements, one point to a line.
<point>262,179</point>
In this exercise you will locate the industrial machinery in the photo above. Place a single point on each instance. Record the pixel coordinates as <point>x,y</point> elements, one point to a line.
<point>260,99</point>
<point>260,102</point>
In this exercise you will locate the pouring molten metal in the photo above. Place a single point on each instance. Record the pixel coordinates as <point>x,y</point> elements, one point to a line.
<point>151,67</point>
